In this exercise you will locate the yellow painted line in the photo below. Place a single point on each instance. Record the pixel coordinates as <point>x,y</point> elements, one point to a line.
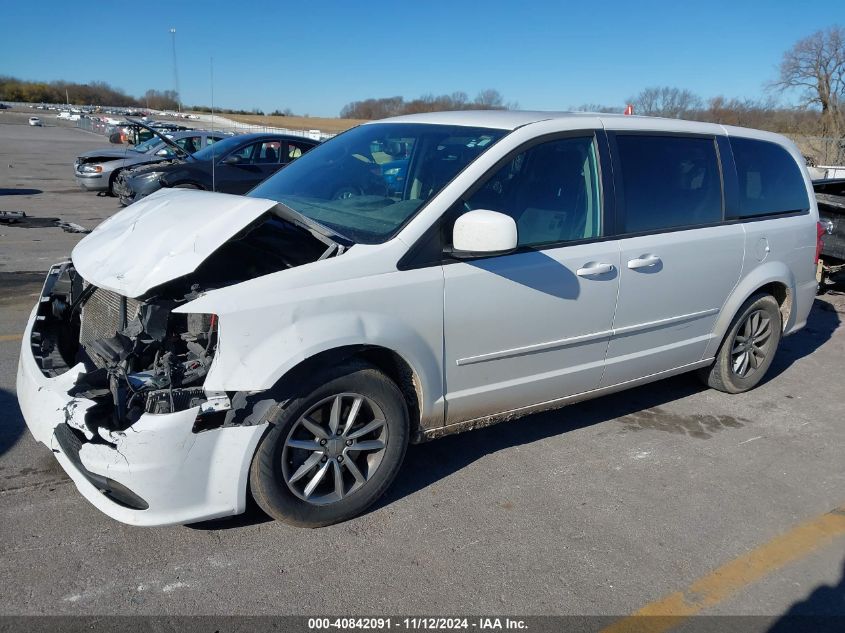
<point>721,583</point>
<point>10,337</point>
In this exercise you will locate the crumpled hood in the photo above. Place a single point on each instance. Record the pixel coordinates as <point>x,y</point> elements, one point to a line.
<point>166,235</point>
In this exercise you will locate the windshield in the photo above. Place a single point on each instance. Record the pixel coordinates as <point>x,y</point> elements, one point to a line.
<point>219,148</point>
<point>148,145</point>
<point>368,182</point>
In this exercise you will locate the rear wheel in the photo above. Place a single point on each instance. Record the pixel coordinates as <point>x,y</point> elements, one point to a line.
<point>748,348</point>
<point>333,449</point>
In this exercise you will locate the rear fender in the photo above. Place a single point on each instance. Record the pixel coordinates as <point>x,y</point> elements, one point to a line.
<point>762,275</point>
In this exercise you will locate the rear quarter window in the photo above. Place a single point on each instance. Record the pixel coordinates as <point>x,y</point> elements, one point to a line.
<point>769,179</point>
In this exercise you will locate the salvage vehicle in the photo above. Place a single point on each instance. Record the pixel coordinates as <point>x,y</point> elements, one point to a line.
<point>235,165</point>
<point>96,170</point>
<point>830,198</point>
<point>201,347</point>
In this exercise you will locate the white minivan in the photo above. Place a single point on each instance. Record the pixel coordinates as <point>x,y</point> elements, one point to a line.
<point>407,279</point>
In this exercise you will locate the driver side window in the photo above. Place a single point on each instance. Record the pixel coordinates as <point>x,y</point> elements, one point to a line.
<point>551,191</point>
<point>245,153</point>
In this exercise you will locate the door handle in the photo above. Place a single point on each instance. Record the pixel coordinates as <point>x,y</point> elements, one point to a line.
<point>643,262</point>
<point>591,269</point>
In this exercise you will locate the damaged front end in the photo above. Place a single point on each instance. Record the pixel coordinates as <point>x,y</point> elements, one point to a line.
<point>138,356</point>
<point>113,364</point>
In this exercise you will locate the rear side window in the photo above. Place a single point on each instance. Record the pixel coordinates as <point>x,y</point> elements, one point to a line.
<point>269,153</point>
<point>296,149</point>
<point>668,182</point>
<point>770,180</point>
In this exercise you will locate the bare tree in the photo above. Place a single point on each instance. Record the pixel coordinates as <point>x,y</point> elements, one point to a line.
<point>816,66</point>
<point>665,101</point>
<point>490,99</point>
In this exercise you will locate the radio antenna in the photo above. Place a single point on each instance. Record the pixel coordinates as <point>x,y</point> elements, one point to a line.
<point>213,143</point>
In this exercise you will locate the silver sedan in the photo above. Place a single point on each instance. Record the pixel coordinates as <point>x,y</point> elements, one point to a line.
<point>96,170</point>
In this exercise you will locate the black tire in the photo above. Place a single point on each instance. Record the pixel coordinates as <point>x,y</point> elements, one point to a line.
<point>723,374</point>
<point>112,178</point>
<point>266,477</point>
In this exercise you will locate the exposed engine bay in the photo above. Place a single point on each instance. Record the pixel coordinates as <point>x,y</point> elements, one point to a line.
<point>141,357</point>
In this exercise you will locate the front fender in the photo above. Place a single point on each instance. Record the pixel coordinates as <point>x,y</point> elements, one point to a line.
<point>261,366</point>
<point>271,324</point>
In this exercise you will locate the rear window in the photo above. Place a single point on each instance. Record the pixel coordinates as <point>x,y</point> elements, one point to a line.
<point>770,180</point>
<point>669,182</point>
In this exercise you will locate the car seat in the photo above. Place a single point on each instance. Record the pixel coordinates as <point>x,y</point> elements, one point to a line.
<point>551,202</point>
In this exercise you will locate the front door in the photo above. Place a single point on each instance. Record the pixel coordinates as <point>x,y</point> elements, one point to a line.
<point>533,326</point>
<point>234,177</point>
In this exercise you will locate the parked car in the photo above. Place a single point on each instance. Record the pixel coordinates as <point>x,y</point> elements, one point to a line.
<point>96,170</point>
<point>289,344</point>
<point>235,165</point>
<point>830,197</point>
<point>35,121</point>
<point>68,115</point>
<point>136,131</point>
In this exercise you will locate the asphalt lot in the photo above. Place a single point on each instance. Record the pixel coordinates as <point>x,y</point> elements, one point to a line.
<point>600,508</point>
<point>36,164</point>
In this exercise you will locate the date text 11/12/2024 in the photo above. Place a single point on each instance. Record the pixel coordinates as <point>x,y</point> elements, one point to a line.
<point>417,623</point>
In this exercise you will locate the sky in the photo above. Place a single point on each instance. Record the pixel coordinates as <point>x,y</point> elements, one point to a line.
<point>316,56</point>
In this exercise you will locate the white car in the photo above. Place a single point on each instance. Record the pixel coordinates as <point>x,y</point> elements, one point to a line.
<point>35,121</point>
<point>408,279</point>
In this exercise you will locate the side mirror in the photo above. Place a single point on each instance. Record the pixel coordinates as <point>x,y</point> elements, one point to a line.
<point>483,232</point>
<point>232,160</point>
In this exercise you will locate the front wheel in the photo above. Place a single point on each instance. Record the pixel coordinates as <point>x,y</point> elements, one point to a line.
<point>748,348</point>
<point>112,179</point>
<point>333,449</point>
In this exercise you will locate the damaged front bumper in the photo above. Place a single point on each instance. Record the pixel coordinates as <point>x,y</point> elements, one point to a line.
<point>160,470</point>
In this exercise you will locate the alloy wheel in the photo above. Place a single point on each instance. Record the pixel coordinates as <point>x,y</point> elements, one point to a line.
<point>749,345</point>
<point>334,448</point>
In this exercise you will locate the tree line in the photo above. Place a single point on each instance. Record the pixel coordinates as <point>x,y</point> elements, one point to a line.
<point>489,99</point>
<point>97,93</point>
<point>677,103</point>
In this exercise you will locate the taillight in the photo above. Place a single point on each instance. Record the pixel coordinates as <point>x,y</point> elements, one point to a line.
<point>820,231</point>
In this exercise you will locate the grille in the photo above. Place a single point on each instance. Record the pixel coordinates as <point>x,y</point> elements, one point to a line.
<point>101,315</point>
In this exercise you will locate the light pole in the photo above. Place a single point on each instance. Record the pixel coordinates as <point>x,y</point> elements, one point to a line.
<point>175,71</point>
